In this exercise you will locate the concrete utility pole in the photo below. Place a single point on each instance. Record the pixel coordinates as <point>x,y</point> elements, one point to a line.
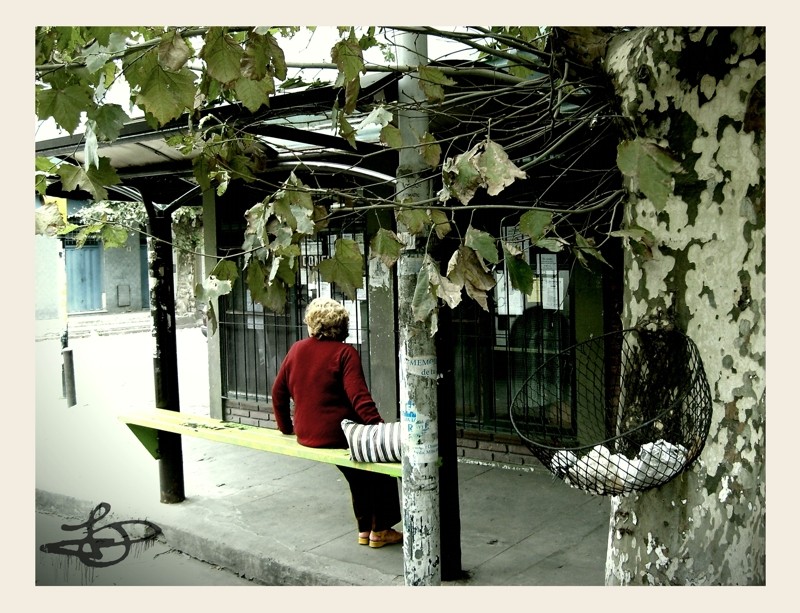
<point>418,371</point>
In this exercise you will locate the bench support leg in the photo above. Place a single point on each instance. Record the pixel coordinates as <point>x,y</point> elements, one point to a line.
<point>170,467</point>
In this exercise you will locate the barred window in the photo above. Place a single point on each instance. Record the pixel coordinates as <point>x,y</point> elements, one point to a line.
<point>254,340</point>
<point>496,352</point>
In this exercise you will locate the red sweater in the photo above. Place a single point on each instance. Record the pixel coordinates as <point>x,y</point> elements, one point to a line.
<point>326,381</point>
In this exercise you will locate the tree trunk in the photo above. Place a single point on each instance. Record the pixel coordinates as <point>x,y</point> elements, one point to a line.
<point>698,93</point>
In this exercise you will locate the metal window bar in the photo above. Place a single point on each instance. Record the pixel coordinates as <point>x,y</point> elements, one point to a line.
<point>495,353</point>
<point>254,341</point>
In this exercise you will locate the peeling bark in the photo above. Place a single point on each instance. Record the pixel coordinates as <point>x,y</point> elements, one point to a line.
<point>699,94</point>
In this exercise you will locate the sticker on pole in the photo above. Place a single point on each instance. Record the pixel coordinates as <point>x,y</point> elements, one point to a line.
<point>422,366</point>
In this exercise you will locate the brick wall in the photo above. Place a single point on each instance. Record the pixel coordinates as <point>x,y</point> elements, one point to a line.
<point>503,449</point>
<point>494,447</point>
<point>248,412</point>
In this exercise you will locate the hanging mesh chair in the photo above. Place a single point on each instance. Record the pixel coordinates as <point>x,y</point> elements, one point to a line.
<point>622,412</point>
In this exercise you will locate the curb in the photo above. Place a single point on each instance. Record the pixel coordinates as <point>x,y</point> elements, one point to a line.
<point>260,564</point>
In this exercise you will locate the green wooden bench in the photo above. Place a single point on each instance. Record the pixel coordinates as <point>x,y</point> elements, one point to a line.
<point>147,424</point>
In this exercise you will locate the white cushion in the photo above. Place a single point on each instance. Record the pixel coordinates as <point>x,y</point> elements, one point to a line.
<point>373,442</point>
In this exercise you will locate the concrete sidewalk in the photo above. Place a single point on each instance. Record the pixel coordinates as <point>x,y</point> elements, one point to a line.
<point>286,521</point>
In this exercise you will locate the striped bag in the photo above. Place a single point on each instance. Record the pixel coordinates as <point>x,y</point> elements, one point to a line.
<point>373,442</point>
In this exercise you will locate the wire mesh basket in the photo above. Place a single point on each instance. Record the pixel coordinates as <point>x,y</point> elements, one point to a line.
<point>622,412</point>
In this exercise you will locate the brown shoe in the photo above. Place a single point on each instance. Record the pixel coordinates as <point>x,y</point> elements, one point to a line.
<point>363,538</point>
<point>385,537</point>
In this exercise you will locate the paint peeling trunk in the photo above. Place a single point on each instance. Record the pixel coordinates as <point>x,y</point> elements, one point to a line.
<point>418,372</point>
<point>699,94</point>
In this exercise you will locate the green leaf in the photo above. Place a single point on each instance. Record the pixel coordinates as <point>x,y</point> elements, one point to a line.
<point>64,105</point>
<point>386,247</point>
<point>534,224</point>
<point>519,272</point>
<point>99,53</point>
<point>51,216</point>
<point>431,81</point>
<point>346,131</point>
<point>113,236</point>
<point>46,164</point>
<point>94,180</point>
<point>90,145</point>
<point>256,280</point>
<point>293,205</point>
<point>40,183</point>
<point>284,265</point>
<point>635,233</point>
<point>640,240</point>
<point>378,116</point>
<point>212,288</point>
<point>345,268</point>
<point>305,218</point>
<point>201,171</point>
<point>443,287</point>
<point>278,57</point>
<point>521,72</point>
<point>430,150</point>
<point>351,91</point>
<point>497,170</point>
<point>441,224</point>
<point>392,137</point>
<point>368,40</point>
<point>413,220</point>
<point>348,57</point>
<point>283,234</point>
<point>461,177</point>
<point>254,94</point>
<point>173,52</point>
<point>584,245</point>
<point>110,37</point>
<point>580,257</point>
<point>465,270</point>
<point>226,270</point>
<point>109,119</point>
<point>423,303</point>
<point>257,57</point>
<point>485,165</point>
<point>550,244</point>
<point>275,298</point>
<point>483,243</point>
<point>223,56</point>
<point>651,166</point>
<point>271,295</point>
<point>163,94</point>
<point>320,217</point>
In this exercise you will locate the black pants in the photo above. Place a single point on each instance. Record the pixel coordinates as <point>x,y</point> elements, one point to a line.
<point>376,501</point>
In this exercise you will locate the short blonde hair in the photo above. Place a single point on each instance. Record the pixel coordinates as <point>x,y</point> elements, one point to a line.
<point>327,319</point>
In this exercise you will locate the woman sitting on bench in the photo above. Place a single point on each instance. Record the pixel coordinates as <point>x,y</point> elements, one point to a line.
<point>324,377</point>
